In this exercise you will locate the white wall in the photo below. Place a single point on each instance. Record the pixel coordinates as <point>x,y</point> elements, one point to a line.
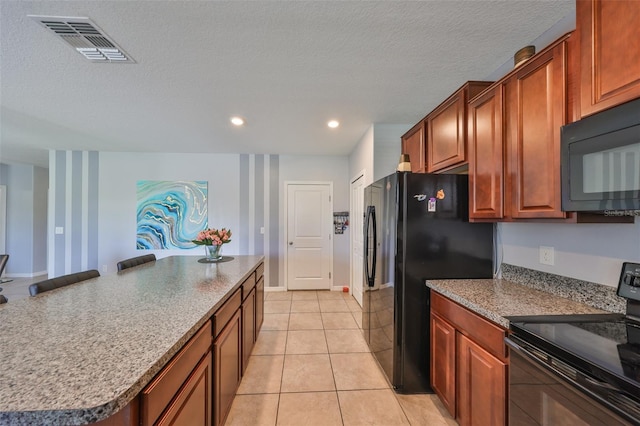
<point>26,220</point>
<point>387,148</point>
<point>118,175</point>
<point>590,252</point>
<point>361,158</point>
<point>328,169</point>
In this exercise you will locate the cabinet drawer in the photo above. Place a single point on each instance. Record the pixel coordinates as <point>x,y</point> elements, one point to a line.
<point>224,314</point>
<point>482,331</point>
<point>159,393</point>
<point>259,271</point>
<point>248,285</point>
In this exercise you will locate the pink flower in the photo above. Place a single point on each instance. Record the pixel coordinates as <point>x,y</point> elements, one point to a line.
<point>213,236</point>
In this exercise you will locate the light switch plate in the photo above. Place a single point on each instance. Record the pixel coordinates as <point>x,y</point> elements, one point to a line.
<point>59,230</point>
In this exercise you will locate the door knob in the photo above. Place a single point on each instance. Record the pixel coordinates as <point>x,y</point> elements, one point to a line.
<point>290,243</point>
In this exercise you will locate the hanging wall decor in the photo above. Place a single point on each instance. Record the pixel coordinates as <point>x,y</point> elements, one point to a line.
<point>340,222</point>
<point>170,214</point>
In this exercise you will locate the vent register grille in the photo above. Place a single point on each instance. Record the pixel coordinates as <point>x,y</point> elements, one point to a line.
<point>85,37</point>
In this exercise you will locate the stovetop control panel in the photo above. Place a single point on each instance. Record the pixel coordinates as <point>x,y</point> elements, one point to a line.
<point>629,284</point>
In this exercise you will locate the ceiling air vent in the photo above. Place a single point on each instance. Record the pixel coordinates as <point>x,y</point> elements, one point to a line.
<point>85,37</point>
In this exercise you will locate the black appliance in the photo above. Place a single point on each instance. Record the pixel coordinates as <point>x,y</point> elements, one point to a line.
<point>416,228</point>
<point>578,369</point>
<point>600,161</point>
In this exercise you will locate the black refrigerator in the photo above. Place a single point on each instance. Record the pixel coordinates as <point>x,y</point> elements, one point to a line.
<point>416,228</point>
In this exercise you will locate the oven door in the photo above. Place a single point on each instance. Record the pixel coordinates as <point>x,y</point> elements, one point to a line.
<point>546,391</point>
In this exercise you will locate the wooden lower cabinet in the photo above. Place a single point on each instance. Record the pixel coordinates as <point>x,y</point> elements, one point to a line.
<point>481,384</point>
<point>443,362</point>
<point>468,364</point>
<point>259,305</point>
<point>192,405</point>
<point>227,356</point>
<point>248,327</point>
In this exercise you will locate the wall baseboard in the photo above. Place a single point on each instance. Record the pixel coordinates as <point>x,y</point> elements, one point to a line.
<point>339,288</point>
<point>270,289</point>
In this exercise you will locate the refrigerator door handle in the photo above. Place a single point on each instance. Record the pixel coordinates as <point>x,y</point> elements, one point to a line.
<point>370,220</point>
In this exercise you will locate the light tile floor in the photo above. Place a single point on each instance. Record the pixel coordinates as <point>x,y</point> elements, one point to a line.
<point>18,288</point>
<point>311,366</point>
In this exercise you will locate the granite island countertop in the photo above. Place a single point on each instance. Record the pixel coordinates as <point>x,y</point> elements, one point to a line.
<point>79,354</point>
<point>496,299</point>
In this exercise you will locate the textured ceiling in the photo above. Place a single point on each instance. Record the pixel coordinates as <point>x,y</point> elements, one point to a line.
<point>287,67</point>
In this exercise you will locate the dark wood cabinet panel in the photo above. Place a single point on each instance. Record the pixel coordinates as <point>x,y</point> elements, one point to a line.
<point>192,405</point>
<point>486,178</point>
<point>443,362</point>
<point>259,305</point>
<point>535,108</point>
<point>609,44</point>
<point>481,386</point>
<point>413,143</point>
<point>447,129</point>
<point>248,327</point>
<point>227,354</point>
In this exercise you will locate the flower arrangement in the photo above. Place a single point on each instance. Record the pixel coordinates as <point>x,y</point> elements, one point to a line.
<point>213,237</point>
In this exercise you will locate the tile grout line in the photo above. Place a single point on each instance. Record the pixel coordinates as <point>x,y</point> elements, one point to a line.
<point>333,374</point>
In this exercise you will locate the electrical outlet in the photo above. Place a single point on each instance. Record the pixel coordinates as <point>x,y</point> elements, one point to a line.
<point>104,269</point>
<point>546,255</point>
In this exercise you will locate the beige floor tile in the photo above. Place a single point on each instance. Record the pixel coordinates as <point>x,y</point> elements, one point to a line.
<point>277,295</point>
<point>277,306</point>
<point>253,410</point>
<point>303,295</point>
<point>307,373</point>
<point>263,375</point>
<point>353,305</point>
<point>333,305</point>
<point>338,321</point>
<point>424,410</point>
<point>357,371</point>
<point>371,407</point>
<point>357,316</point>
<point>270,342</point>
<point>305,321</point>
<point>300,306</point>
<point>275,322</point>
<point>306,342</point>
<point>309,409</point>
<point>330,295</point>
<point>345,341</point>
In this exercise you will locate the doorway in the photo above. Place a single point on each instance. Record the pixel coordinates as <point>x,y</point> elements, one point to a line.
<point>308,239</point>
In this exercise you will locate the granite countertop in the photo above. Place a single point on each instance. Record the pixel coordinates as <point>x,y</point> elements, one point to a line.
<point>79,354</point>
<point>496,299</point>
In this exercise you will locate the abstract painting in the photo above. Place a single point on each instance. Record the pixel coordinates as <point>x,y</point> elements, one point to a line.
<point>170,214</point>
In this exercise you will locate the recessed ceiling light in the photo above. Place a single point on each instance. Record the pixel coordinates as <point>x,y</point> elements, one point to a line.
<point>237,121</point>
<point>333,124</point>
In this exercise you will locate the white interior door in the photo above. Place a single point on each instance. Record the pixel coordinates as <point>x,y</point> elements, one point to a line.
<point>309,239</point>
<point>357,235</point>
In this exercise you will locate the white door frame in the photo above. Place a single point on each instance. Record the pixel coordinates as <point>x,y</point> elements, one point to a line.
<point>352,234</point>
<point>286,225</point>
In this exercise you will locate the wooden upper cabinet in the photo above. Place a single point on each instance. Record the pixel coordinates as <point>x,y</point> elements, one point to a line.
<point>413,143</point>
<point>534,110</point>
<point>609,33</point>
<point>447,129</point>
<point>486,175</point>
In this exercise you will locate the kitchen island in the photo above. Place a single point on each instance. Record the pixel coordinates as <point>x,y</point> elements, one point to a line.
<point>82,353</point>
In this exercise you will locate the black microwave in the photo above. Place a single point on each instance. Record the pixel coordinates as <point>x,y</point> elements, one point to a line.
<point>600,161</point>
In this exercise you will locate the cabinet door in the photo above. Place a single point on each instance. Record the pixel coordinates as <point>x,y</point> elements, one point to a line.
<point>535,109</point>
<point>443,362</point>
<point>248,327</point>
<point>227,368</point>
<point>413,143</point>
<point>486,156</point>
<point>259,306</point>
<point>609,34</point>
<point>446,139</point>
<point>482,385</point>
<point>192,405</point>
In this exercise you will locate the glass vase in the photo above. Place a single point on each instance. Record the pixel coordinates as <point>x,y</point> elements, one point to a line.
<point>213,252</point>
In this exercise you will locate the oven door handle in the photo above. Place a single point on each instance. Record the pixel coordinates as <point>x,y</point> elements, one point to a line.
<point>566,372</point>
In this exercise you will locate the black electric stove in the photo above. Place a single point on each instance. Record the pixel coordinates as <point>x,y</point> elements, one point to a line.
<point>597,357</point>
